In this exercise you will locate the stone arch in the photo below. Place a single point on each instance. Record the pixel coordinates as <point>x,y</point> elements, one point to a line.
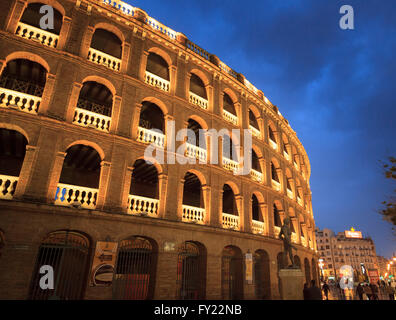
<point>111,28</point>
<point>199,174</point>
<point>28,56</point>
<point>161,53</point>
<point>94,145</point>
<point>52,3</point>
<point>258,151</point>
<point>259,196</point>
<point>103,81</point>
<point>201,75</point>
<point>152,161</point>
<point>200,120</point>
<point>233,186</point>
<point>232,95</point>
<point>10,126</point>
<point>255,111</point>
<point>158,102</point>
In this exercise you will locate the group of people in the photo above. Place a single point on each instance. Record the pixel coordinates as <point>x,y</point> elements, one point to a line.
<point>312,292</point>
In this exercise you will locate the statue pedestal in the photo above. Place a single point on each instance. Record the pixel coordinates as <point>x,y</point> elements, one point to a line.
<point>291,284</point>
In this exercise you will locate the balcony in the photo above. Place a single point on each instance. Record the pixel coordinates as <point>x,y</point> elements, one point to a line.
<point>150,136</point>
<point>304,241</point>
<point>273,144</point>
<point>295,165</point>
<point>230,165</point>
<point>286,155</point>
<point>256,175</point>
<point>276,231</point>
<point>230,117</point>
<point>19,101</point>
<point>104,59</point>
<point>193,214</point>
<point>257,227</point>
<point>230,221</point>
<point>156,81</point>
<point>289,193</point>
<point>76,196</point>
<point>294,237</point>
<point>91,119</point>
<point>7,186</point>
<point>198,101</point>
<point>255,132</point>
<point>138,205</point>
<point>276,185</point>
<point>299,200</point>
<point>36,34</point>
<point>196,152</point>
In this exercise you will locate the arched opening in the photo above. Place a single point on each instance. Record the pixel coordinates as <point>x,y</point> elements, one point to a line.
<point>230,211</point>
<point>231,273</point>
<point>255,172</point>
<point>230,154</point>
<point>98,100</point>
<point>277,218</point>
<point>12,153</point>
<point>191,271</point>
<point>307,271</point>
<point>157,72</point>
<point>289,184</point>
<point>315,274</point>
<point>262,275</point>
<point>144,190</point>
<point>151,124</point>
<point>272,139</point>
<point>67,252</point>
<point>256,214</point>
<point>198,95</point>
<point>229,112</point>
<point>22,84</point>
<point>296,158</point>
<point>106,49</point>
<point>29,26</point>
<point>253,124</point>
<point>297,261</point>
<point>299,193</point>
<point>79,180</point>
<point>285,145</point>
<point>135,272</point>
<point>196,144</point>
<point>193,203</point>
<point>276,179</point>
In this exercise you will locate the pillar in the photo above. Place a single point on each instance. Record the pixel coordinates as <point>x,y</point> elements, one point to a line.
<point>26,171</point>
<point>47,94</point>
<point>115,114</point>
<point>103,184</point>
<point>15,15</point>
<point>126,50</point>
<point>75,93</point>
<point>64,33</point>
<point>135,120</point>
<point>86,42</point>
<point>173,79</point>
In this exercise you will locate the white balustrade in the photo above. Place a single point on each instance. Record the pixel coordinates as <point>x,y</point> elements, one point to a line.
<point>294,237</point>
<point>198,101</point>
<point>256,175</point>
<point>150,136</point>
<point>158,26</point>
<point>255,132</point>
<point>273,144</point>
<point>296,165</point>
<point>230,221</point>
<point>91,119</point>
<point>276,231</point>
<point>230,117</point>
<point>143,206</point>
<point>299,201</point>
<point>36,34</point>
<point>276,185</point>
<point>193,214</point>
<point>7,186</point>
<point>257,227</point>
<point>81,197</point>
<point>156,81</point>
<point>230,165</point>
<point>290,193</point>
<point>104,59</point>
<point>251,87</point>
<point>18,100</point>
<point>196,152</point>
<point>304,241</point>
<point>125,8</point>
<point>286,155</point>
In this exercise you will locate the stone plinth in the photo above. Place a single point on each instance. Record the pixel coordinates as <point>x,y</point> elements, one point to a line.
<point>291,284</point>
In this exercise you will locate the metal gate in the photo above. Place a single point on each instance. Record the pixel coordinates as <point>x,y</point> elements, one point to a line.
<point>135,270</point>
<point>232,278</point>
<point>67,253</point>
<point>262,276</point>
<point>188,272</point>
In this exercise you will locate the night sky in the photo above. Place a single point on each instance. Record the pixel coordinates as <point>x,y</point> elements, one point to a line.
<point>336,87</point>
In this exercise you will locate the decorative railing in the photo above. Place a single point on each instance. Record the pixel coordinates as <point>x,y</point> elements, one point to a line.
<point>18,100</point>
<point>143,206</point>
<point>276,185</point>
<point>158,26</point>
<point>310,244</point>
<point>228,70</point>
<point>122,6</point>
<point>230,165</point>
<point>256,175</point>
<point>299,201</point>
<point>251,87</point>
<point>286,155</point>
<point>76,196</point>
<point>7,186</point>
<point>230,221</point>
<point>290,193</point>
<point>156,81</point>
<point>196,152</point>
<point>198,101</point>
<point>104,59</point>
<point>273,144</point>
<point>295,165</point>
<point>197,49</point>
<point>36,34</point>
<point>91,119</point>
<point>304,241</point>
<point>257,227</point>
<point>150,136</point>
<point>276,231</point>
<point>294,237</point>
<point>255,132</point>
<point>193,214</point>
<point>230,117</point>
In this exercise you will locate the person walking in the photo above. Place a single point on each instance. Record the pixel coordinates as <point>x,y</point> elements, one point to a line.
<point>326,290</point>
<point>391,292</point>
<point>306,292</point>
<point>367,291</point>
<point>374,290</point>
<point>314,292</point>
<point>360,291</point>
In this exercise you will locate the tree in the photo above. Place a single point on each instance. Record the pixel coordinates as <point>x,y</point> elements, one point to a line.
<point>389,212</point>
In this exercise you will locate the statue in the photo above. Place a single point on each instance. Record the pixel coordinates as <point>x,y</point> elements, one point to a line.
<point>287,244</point>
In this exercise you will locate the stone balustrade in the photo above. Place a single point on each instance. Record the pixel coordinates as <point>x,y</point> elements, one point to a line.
<point>255,132</point>
<point>19,100</point>
<point>104,59</point>
<point>158,26</point>
<point>193,214</point>
<point>273,144</point>
<point>198,101</point>
<point>230,221</point>
<point>304,241</point>
<point>276,232</point>
<point>36,34</point>
<point>290,193</point>
<point>286,155</point>
<point>256,175</point>
<point>91,119</point>
<point>7,186</point>
<point>196,152</point>
<point>230,165</point>
<point>228,116</point>
<point>76,196</point>
<point>294,237</point>
<point>276,185</point>
<point>151,136</point>
<point>257,227</point>
<point>139,205</point>
<point>156,81</point>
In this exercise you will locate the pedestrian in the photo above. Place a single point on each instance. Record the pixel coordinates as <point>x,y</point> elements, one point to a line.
<point>306,292</point>
<point>360,291</point>
<point>367,291</point>
<point>374,290</point>
<point>326,290</point>
<point>391,292</point>
<point>314,292</point>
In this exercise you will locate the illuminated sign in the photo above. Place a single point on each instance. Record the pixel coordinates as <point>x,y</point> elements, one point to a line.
<point>353,234</point>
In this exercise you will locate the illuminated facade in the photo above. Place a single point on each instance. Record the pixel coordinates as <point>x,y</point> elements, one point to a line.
<point>78,105</point>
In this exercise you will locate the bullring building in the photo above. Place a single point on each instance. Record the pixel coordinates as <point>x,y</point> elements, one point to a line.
<point>79,104</point>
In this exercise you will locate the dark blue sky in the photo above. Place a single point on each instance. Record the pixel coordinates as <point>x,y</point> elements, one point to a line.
<point>336,87</point>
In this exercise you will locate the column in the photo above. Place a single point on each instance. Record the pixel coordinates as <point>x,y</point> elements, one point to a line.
<point>265,216</point>
<point>115,114</point>
<point>75,93</point>
<point>47,94</point>
<point>126,49</point>
<point>248,215</point>
<point>103,184</point>
<point>26,171</point>
<point>186,91</point>
<point>271,221</point>
<point>64,33</point>
<point>55,176</point>
<point>86,42</point>
<point>210,95</point>
<point>135,120</point>
<point>173,79</point>
<point>206,191</point>
<point>125,189</point>
<point>143,64</point>
<point>163,187</point>
<point>294,220</point>
<point>172,197</point>
<point>16,15</point>
<point>241,212</point>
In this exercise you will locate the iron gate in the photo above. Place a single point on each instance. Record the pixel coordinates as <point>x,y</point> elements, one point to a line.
<point>262,275</point>
<point>67,253</point>
<point>232,278</point>
<point>188,272</point>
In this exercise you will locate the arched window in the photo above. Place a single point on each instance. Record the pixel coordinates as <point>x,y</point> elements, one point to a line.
<point>67,252</point>
<point>193,203</point>
<point>256,173</point>
<point>157,72</point>
<point>196,148</point>
<point>98,100</point>
<point>22,84</point>
<point>151,124</point>
<point>144,190</point>
<point>307,271</point>
<point>106,49</point>
<point>135,272</point>
<point>253,125</point>
<point>297,261</point>
<point>29,26</point>
<point>191,271</point>
<point>277,219</point>
<point>262,275</point>
<point>197,86</point>
<point>285,147</point>
<point>229,112</point>
<point>79,181</point>
<point>230,211</point>
<point>230,154</point>
<point>275,177</point>
<point>231,273</point>
<point>256,214</point>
